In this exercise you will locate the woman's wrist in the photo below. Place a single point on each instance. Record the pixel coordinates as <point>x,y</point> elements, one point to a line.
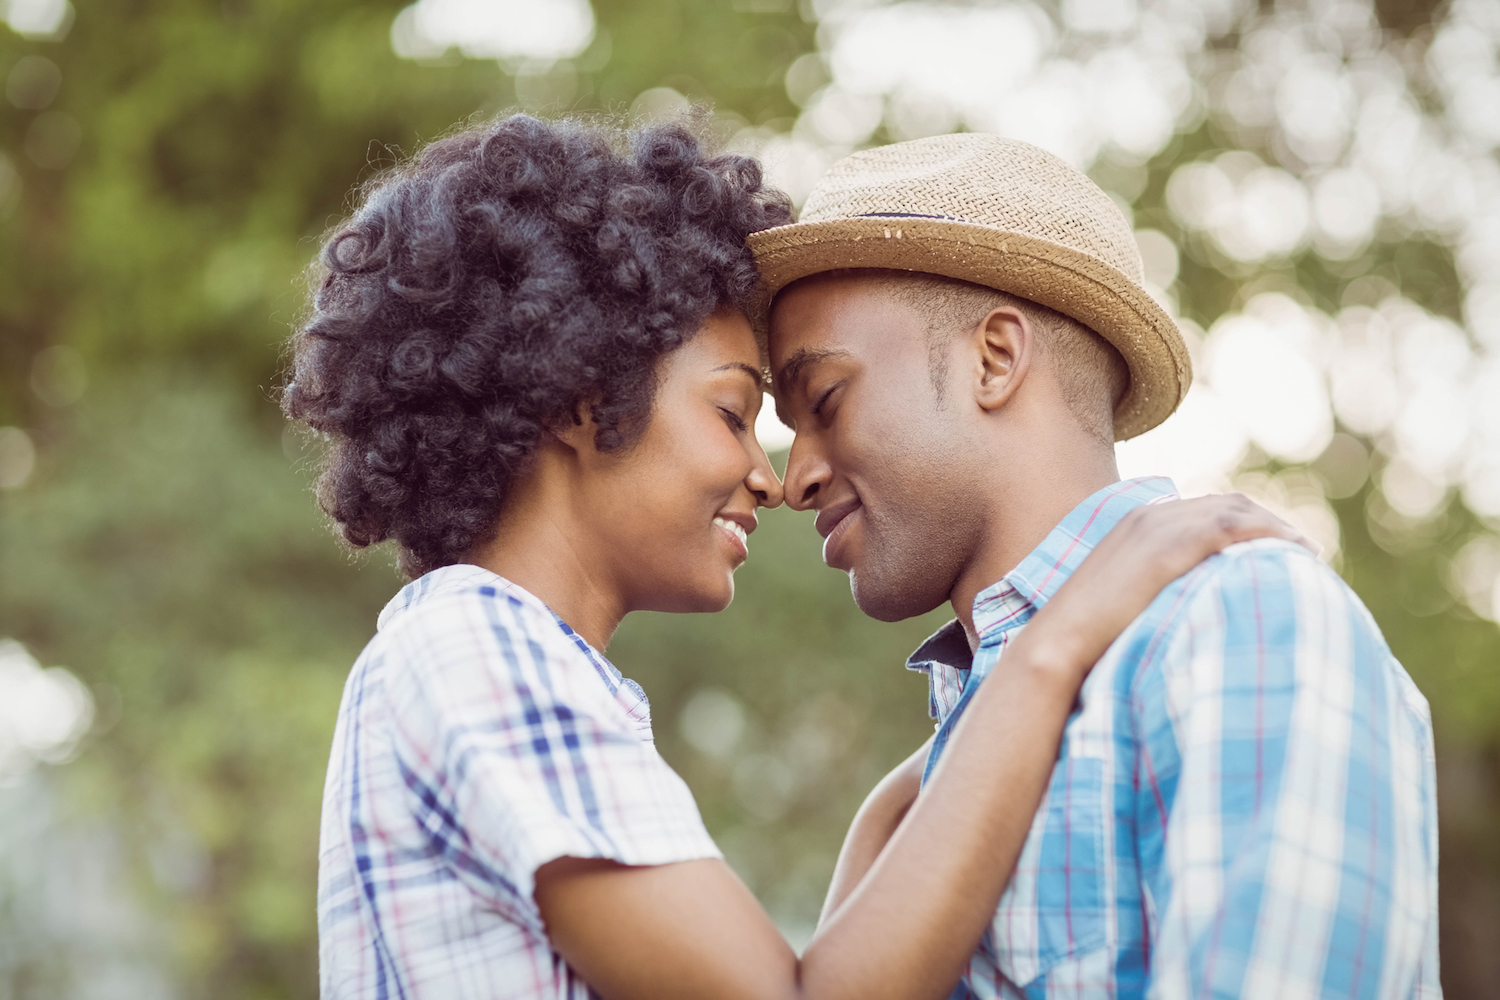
<point>1051,656</point>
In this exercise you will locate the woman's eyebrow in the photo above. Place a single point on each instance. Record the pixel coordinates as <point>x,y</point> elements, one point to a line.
<point>755,373</point>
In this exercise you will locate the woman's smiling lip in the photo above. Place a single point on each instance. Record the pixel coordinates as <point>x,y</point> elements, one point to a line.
<point>737,528</point>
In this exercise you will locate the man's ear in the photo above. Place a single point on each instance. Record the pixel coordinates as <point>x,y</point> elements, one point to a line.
<point>1002,345</point>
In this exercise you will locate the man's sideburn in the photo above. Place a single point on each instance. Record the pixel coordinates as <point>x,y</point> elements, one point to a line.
<point>925,521</point>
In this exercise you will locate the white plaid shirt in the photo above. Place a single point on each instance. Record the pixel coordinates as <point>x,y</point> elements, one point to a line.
<point>1244,803</point>
<point>479,738</point>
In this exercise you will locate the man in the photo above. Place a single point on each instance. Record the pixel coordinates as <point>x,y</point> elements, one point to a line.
<point>1243,803</point>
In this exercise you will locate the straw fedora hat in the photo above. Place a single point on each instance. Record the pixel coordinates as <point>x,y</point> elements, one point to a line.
<point>999,213</point>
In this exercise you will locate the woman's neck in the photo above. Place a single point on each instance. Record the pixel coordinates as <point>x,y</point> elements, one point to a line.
<point>542,546</point>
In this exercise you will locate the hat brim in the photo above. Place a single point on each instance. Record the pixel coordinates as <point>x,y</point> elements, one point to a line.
<point>1073,283</point>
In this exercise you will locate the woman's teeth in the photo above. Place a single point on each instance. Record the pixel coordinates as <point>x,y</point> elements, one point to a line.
<point>734,529</point>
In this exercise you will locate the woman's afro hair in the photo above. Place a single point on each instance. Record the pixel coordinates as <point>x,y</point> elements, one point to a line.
<point>485,290</point>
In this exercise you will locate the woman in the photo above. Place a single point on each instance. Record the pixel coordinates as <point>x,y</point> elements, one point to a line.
<point>530,356</point>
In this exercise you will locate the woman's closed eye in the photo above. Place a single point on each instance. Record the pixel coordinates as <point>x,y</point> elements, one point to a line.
<point>735,420</point>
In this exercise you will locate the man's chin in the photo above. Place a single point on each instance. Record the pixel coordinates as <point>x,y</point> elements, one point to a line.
<point>887,601</point>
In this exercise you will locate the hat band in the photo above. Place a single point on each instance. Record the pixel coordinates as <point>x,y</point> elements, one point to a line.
<point>912,215</point>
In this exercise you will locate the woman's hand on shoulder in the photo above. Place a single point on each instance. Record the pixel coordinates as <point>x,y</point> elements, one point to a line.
<point>1150,547</point>
<point>1170,538</point>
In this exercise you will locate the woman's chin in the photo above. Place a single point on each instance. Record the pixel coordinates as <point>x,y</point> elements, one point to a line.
<point>702,597</point>
<point>717,598</point>
<point>724,600</point>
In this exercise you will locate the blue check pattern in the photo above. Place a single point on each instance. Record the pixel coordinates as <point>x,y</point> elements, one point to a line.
<point>479,738</point>
<point>1244,800</point>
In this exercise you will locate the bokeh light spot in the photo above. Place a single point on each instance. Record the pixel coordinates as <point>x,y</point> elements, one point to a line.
<point>712,722</point>
<point>17,457</point>
<point>40,20</point>
<point>58,376</point>
<point>43,713</point>
<point>494,29</point>
<point>33,82</point>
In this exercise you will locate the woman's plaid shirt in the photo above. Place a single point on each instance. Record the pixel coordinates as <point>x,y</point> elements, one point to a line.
<point>1244,800</point>
<point>479,738</point>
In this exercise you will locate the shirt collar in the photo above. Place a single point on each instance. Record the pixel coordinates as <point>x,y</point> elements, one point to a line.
<point>947,647</point>
<point>1019,594</point>
<point>462,576</point>
<point>443,580</point>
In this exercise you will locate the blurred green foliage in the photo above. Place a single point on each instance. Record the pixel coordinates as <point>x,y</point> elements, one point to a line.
<point>167,548</point>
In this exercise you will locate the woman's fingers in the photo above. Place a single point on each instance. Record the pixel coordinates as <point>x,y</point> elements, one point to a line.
<point>1162,541</point>
<point>1148,549</point>
<point>1234,517</point>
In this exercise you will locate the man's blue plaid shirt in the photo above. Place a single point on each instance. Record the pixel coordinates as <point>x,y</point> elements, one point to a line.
<point>1243,804</point>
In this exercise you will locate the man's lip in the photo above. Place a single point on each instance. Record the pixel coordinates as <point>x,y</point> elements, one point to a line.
<point>835,546</point>
<point>829,517</point>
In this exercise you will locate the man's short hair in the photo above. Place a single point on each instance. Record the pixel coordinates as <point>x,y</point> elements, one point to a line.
<point>1091,373</point>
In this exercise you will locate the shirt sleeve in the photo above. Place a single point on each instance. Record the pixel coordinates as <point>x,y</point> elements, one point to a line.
<point>1286,765</point>
<point>514,752</point>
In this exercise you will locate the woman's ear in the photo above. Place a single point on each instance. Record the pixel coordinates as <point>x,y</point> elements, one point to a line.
<point>578,433</point>
<point>1002,345</point>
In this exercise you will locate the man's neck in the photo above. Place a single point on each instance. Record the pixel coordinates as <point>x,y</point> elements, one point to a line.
<point>1024,509</point>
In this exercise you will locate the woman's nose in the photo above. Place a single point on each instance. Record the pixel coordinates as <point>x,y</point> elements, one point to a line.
<point>764,483</point>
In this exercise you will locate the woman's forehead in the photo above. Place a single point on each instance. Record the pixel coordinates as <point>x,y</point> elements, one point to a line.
<point>726,338</point>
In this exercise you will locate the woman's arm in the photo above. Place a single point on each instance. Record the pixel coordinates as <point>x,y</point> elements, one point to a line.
<point>693,930</point>
<point>891,799</point>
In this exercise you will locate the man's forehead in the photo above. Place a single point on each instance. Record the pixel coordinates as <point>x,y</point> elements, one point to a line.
<point>828,289</point>
<point>831,316</point>
<point>807,312</point>
<point>805,332</point>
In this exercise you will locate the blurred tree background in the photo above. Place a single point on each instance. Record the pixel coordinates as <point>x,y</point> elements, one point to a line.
<point>1315,189</point>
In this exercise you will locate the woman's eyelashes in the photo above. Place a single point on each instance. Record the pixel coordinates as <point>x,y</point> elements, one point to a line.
<point>735,420</point>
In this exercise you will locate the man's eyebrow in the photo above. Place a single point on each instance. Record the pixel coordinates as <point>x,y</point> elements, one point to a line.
<point>791,373</point>
<point>755,373</point>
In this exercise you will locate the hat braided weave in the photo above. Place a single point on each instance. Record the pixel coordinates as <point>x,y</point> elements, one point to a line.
<point>995,212</point>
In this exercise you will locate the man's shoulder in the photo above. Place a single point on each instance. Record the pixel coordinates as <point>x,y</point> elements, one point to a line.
<point>1262,587</point>
<point>1258,599</point>
<point>1261,614</point>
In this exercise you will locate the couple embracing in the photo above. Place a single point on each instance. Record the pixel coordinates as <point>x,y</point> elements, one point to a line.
<point>1173,755</point>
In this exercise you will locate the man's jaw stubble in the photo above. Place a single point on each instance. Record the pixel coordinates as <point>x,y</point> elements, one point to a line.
<point>901,575</point>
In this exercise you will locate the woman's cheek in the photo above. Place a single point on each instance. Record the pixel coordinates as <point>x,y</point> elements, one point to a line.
<point>732,460</point>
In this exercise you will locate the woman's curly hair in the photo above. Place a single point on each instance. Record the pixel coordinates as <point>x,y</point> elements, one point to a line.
<point>485,290</point>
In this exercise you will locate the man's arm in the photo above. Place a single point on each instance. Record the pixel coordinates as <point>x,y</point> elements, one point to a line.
<point>1285,760</point>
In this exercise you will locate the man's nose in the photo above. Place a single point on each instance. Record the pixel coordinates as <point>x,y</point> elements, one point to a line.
<point>807,474</point>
